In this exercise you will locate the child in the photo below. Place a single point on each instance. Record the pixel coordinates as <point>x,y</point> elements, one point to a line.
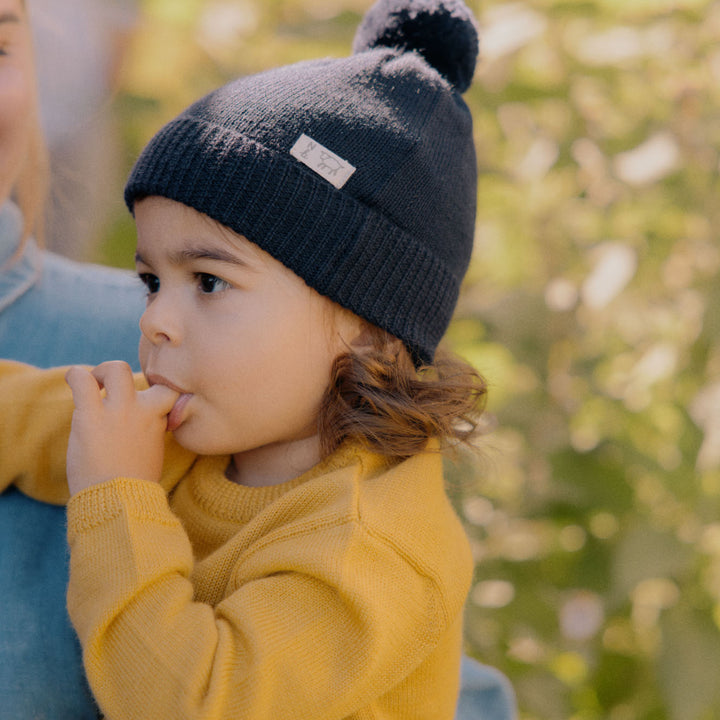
<point>289,550</point>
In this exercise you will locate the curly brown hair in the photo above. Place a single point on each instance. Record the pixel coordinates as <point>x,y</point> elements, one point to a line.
<point>379,397</point>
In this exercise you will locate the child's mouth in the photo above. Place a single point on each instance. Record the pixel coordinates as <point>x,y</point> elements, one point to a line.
<point>176,416</point>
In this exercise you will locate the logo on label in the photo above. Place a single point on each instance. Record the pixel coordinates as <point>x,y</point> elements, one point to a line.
<point>322,161</point>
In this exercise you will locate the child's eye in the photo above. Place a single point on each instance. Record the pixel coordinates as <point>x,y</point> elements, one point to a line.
<point>211,283</point>
<point>150,281</point>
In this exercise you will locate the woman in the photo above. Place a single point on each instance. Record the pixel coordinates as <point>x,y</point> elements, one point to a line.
<point>52,312</point>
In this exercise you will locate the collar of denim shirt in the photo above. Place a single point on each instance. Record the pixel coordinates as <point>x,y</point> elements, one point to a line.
<point>17,275</point>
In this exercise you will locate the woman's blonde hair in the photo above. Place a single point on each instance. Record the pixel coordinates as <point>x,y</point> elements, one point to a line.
<point>378,396</point>
<point>31,186</point>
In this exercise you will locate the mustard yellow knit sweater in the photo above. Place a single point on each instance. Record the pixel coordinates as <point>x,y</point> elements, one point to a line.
<point>338,594</point>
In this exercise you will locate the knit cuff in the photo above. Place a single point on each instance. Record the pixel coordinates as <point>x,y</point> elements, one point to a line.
<point>100,503</point>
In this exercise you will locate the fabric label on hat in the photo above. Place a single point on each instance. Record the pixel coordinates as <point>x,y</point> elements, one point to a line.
<point>322,161</point>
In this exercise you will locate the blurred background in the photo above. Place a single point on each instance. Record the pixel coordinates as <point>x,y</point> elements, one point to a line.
<point>591,307</point>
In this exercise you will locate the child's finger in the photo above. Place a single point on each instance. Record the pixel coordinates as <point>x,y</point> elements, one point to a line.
<point>84,387</point>
<point>116,377</point>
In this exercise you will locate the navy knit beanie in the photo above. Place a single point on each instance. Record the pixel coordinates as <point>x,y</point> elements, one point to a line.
<point>357,173</point>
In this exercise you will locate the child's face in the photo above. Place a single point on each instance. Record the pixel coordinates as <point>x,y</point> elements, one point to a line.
<point>245,340</point>
<point>16,92</point>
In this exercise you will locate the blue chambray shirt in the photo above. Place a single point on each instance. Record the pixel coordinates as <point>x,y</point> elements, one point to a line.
<point>52,312</point>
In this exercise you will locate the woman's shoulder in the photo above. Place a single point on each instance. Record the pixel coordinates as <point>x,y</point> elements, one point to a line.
<point>59,273</point>
<point>58,311</point>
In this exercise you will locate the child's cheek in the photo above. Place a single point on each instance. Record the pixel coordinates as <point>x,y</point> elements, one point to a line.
<point>143,351</point>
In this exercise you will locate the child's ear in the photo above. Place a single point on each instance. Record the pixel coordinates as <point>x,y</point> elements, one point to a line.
<point>354,333</point>
<point>364,339</point>
<point>359,336</point>
<point>369,338</point>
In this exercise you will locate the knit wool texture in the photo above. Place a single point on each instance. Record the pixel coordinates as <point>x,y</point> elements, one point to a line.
<point>394,242</point>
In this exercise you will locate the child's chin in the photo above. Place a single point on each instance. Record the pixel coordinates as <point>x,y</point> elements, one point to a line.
<point>188,437</point>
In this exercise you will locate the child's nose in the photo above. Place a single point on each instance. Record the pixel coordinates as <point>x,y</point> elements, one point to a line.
<point>161,321</point>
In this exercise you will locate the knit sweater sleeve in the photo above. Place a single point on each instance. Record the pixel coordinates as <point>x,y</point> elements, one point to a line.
<point>316,623</point>
<point>36,408</point>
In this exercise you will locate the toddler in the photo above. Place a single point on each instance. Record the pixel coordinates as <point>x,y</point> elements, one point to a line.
<point>258,524</point>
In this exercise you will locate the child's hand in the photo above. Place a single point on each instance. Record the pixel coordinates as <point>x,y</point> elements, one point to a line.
<point>120,435</point>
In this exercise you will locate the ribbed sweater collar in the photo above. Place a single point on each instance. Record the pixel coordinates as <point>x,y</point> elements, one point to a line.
<point>228,501</point>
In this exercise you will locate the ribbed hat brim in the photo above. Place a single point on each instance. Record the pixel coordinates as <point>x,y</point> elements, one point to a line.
<point>372,267</point>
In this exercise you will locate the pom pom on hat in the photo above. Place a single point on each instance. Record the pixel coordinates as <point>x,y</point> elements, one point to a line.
<point>444,32</point>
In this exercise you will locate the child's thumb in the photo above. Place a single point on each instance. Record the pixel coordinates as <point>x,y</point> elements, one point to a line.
<point>159,398</point>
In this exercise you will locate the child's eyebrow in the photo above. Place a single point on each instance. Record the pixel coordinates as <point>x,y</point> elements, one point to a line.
<point>181,257</point>
<point>8,17</point>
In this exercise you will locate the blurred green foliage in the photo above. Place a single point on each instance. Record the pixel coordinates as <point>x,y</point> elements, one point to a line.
<point>591,307</point>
